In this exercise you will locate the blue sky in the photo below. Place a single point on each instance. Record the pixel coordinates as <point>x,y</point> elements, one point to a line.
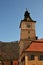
<point>12,12</point>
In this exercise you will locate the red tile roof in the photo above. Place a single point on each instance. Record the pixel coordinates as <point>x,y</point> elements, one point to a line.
<point>36,46</point>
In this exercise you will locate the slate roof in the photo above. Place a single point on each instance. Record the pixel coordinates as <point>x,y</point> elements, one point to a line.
<point>36,46</point>
<point>9,50</point>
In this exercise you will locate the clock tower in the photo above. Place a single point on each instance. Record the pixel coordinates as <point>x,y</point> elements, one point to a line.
<point>27,31</point>
<point>27,27</point>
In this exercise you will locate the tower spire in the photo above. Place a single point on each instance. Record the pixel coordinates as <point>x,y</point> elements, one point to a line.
<point>26,13</point>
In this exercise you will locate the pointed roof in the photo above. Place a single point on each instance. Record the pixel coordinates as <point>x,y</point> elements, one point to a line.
<point>36,46</point>
<point>27,17</point>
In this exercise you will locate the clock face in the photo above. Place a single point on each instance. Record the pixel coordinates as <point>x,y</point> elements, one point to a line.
<point>28,25</point>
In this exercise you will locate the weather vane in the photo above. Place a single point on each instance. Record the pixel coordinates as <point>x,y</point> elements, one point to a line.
<point>26,9</point>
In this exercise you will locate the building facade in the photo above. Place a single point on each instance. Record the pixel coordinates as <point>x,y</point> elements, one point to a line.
<point>34,53</point>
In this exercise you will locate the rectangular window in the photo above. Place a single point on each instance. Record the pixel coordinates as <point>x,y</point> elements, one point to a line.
<point>41,57</point>
<point>32,57</point>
